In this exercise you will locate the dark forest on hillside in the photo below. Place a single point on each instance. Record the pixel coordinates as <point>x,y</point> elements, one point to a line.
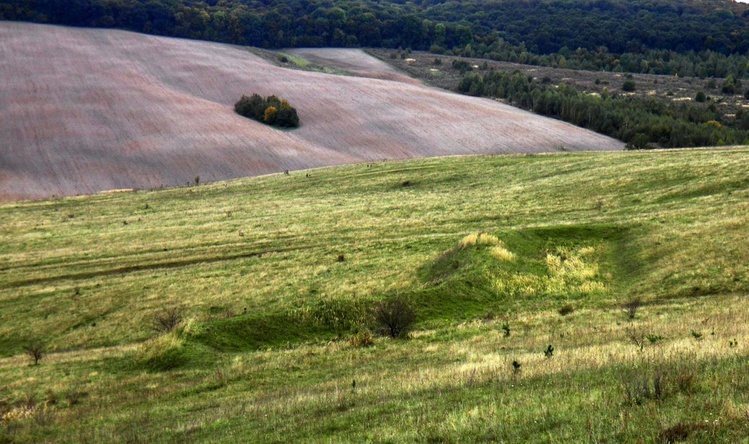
<point>687,37</point>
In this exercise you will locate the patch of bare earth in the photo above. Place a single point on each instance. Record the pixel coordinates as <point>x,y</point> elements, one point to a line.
<point>354,62</point>
<point>85,110</point>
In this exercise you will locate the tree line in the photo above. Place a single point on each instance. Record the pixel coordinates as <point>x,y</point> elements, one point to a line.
<point>685,37</point>
<point>641,123</point>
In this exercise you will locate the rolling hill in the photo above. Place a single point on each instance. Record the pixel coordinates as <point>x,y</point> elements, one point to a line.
<point>86,110</point>
<point>616,282</point>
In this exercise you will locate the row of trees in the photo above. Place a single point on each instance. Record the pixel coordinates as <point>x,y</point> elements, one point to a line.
<point>701,64</point>
<point>271,110</point>
<point>685,37</point>
<point>640,123</point>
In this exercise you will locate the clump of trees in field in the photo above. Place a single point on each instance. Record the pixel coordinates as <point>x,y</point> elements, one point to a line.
<point>270,110</point>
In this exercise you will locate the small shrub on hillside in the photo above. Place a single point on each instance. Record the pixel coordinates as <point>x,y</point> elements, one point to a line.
<point>631,307</point>
<point>462,66</point>
<point>729,85</point>
<point>516,367</point>
<point>270,110</point>
<point>506,329</point>
<point>549,351</point>
<point>35,350</point>
<point>629,86</point>
<point>167,320</point>
<point>394,317</point>
<point>700,97</point>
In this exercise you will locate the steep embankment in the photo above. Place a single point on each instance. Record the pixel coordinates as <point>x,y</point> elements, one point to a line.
<point>85,110</point>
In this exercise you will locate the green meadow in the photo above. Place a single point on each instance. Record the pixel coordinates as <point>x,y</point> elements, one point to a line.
<point>570,297</point>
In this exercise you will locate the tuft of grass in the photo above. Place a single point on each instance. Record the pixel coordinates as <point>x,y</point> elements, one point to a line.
<point>502,253</point>
<point>479,239</point>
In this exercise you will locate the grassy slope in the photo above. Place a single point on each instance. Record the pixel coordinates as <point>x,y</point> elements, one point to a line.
<point>254,264</point>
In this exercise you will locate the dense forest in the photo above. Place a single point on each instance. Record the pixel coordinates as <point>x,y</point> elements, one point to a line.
<point>641,123</point>
<point>685,37</point>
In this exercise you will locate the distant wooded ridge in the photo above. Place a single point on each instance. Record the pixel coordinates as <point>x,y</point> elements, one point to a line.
<point>685,37</point>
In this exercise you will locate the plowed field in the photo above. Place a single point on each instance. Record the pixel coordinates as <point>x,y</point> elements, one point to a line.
<point>87,110</point>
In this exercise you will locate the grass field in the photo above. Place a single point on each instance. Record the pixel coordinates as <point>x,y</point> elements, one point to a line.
<point>632,266</point>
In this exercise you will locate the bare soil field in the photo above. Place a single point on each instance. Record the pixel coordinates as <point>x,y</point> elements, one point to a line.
<point>353,62</point>
<point>86,110</point>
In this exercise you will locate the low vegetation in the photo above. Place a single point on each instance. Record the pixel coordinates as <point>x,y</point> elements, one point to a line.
<point>518,274</point>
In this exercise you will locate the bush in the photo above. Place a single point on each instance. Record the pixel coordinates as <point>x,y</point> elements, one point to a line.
<point>628,86</point>
<point>394,317</point>
<point>462,65</point>
<point>729,86</point>
<point>549,351</point>
<point>701,97</point>
<point>35,350</point>
<point>631,308</point>
<point>167,320</point>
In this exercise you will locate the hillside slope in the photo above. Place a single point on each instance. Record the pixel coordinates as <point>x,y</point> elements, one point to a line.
<point>85,110</point>
<point>616,282</point>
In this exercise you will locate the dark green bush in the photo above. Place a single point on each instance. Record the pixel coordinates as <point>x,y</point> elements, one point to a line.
<point>394,317</point>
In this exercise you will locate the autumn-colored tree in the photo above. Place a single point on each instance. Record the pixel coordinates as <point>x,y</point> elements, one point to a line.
<point>270,115</point>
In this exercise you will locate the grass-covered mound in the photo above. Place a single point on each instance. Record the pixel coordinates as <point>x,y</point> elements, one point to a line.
<point>570,297</point>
